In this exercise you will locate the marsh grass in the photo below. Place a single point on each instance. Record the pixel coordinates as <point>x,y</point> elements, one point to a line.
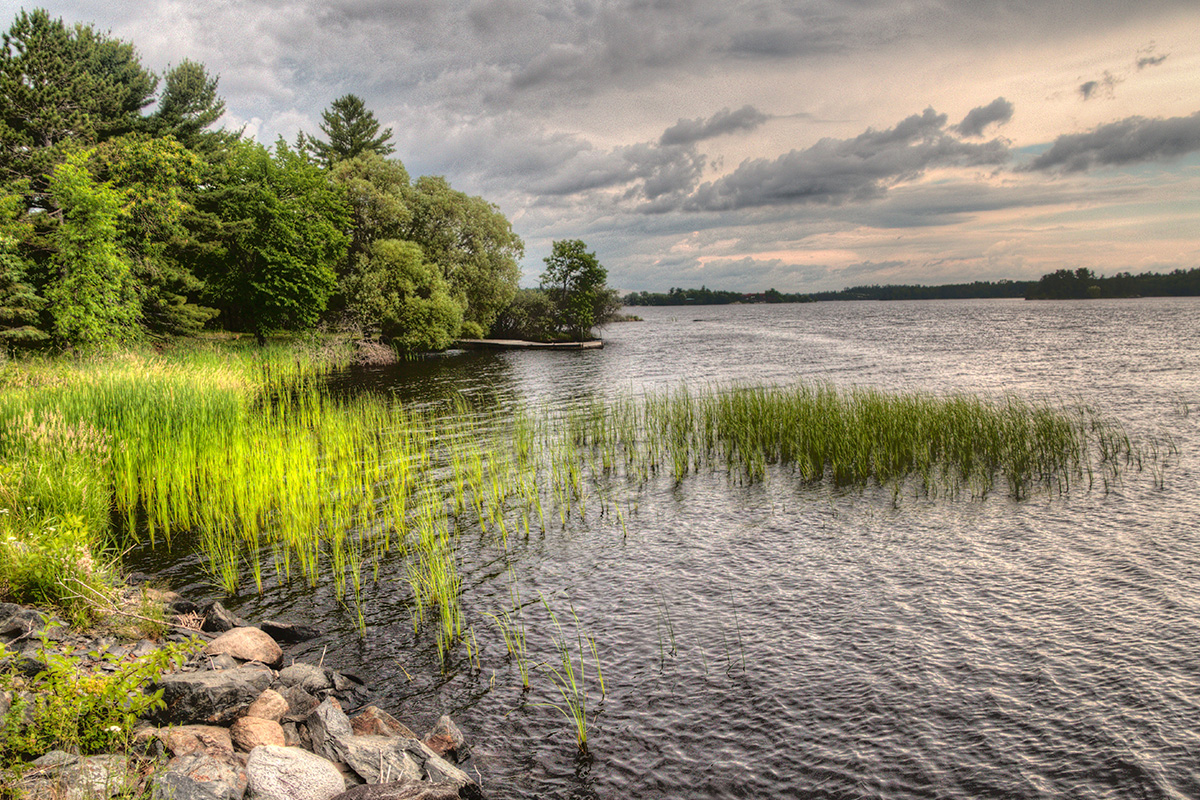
<point>280,482</point>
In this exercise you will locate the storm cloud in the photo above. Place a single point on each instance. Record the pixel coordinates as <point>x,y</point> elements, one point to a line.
<point>835,171</point>
<point>690,131</point>
<point>1128,141</point>
<point>998,111</point>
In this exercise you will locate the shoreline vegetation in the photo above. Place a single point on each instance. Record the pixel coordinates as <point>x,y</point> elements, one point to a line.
<point>280,483</point>
<point>1081,284</point>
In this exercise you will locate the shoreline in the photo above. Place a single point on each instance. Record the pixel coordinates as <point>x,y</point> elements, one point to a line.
<point>522,344</point>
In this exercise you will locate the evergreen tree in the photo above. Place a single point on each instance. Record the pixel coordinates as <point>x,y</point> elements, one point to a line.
<point>188,107</point>
<point>352,131</point>
<point>61,87</point>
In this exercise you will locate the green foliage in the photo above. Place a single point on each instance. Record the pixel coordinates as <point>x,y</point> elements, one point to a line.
<point>189,105</point>
<point>156,177</point>
<point>407,295</point>
<point>20,304</point>
<point>62,86</point>
<point>352,130</point>
<point>276,239</point>
<point>472,243</point>
<point>530,316</point>
<point>76,708</point>
<point>92,296</point>
<point>575,282</point>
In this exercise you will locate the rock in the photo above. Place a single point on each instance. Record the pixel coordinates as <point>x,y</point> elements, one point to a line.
<point>247,644</point>
<point>328,726</point>
<point>377,759</point>
<point>289,773</point>
<point>401,790</point>
<point>248,733</point>
<point>186,608</point>
<point>269,705</point>
<point>288,632</point>
<point>220,661</point>
<point>218,619</point>
<point>291,734</point>
<point>311,678</point>
<point>445,739</point>
<point>18,622</point>
<point>199,776</point>
<point>300,703</point>
<point>374,721</point>
<point>184,739</point>
<point>62,776</point>
<point>211,697</point>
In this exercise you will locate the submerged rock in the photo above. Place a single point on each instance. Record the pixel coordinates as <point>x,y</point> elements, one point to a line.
<point>445,739</point>
<point>287,631</point>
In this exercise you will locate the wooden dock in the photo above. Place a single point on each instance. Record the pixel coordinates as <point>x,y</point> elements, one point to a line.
<point>519,344</point>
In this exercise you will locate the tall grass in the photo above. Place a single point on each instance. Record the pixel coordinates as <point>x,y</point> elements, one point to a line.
<point>281,482</point>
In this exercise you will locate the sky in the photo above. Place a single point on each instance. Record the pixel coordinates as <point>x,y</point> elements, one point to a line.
<point>798,145</point>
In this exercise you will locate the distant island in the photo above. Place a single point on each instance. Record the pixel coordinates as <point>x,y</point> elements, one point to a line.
<point>1063,284</point>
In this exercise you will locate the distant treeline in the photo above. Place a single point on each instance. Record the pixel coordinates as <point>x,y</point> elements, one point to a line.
<point>1064,284</point>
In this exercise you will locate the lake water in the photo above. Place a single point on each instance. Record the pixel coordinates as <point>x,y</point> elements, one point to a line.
<point>784,640</point>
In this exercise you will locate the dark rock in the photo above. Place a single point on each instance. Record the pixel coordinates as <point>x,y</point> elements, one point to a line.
<point>184,607</point>
<point>219,661</point>
<point>200,776</point>
<point>300,703</point>
<point>311,678</point>
<point>328,726</point>
<point>288,632</point>
<point>289,773</point>
<point>211,697</point>
<point>445,739</point>
<point>18,622</point>
<point>218,619</point>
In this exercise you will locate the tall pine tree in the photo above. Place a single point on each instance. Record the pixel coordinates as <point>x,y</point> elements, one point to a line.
<point>352,130</point>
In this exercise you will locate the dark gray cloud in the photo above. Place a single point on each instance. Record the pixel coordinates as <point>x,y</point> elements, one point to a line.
<point>1146,57</point>
<point>835,171</point>
<point>998,111</point>
<point>690,131</point>
<point>1128,141</point>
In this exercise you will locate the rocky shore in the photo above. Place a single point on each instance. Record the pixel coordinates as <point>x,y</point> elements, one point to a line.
<point>238,720</point>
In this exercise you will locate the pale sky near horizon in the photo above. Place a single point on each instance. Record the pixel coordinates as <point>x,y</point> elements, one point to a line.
<point>803,146</point>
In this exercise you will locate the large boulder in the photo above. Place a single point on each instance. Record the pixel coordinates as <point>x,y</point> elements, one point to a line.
<point>247,644</point>
<point>179,740</point>
<point>200,776</point>
<point>328,726</point>
<point>211,697</point>
<point>64,776</point>
<point>289,773</point>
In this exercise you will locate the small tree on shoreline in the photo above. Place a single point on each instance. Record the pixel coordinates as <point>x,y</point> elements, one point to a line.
<point>575,281</point>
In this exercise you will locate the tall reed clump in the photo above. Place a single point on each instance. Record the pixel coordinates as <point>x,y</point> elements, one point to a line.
<point>856,436</point>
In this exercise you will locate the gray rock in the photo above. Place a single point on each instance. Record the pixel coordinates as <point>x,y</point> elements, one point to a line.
<point>62,776</point>
<point>212,697</point>
<point>329,726</point>
<point>18,622</point>
<point>400,790</point>
<point>219,661</point>
<point>377,759</point>
<point>200,776</point>
<point>311,678</point>
<point>289,773</point>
